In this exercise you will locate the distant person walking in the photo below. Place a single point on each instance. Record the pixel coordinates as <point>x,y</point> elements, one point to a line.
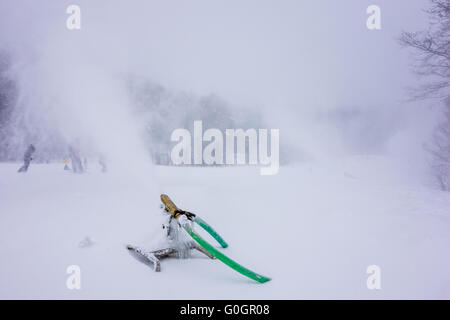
<point>77,167</point>
<point>102,162</point>
<point>66,166</point>
<point>27,158</point>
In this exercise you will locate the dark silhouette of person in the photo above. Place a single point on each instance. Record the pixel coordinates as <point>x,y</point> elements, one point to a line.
<point>27,158</point>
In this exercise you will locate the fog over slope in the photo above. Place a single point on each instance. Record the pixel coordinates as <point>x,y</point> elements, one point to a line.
<point>311,69</point>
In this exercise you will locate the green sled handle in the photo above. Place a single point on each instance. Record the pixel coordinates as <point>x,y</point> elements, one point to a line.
<point>183,216</point>
<point>202,223</point>
<point>219,255</point>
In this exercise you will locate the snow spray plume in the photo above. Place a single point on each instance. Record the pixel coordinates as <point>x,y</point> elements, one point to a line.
<point>71,90</point>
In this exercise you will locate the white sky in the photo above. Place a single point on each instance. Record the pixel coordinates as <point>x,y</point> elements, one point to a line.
<point>271,52</point>
<point>291,57</point>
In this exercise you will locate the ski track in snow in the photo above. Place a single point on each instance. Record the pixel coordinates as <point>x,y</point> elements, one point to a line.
<point>313,228</point>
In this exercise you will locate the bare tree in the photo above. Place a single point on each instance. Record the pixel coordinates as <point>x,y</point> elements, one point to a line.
<point>432,49</point>
<point>432,61</point>
<point>439,149</point>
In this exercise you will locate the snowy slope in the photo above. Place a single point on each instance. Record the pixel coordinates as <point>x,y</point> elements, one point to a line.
<point>314,228</point>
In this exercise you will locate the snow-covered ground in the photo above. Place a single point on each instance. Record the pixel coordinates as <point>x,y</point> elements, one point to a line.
<point>314,229</point>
